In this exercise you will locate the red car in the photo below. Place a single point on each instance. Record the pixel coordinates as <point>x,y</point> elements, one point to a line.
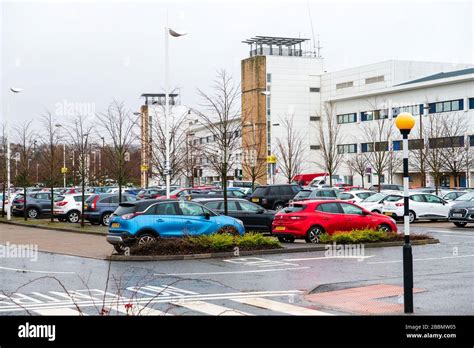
<point>310,219</point>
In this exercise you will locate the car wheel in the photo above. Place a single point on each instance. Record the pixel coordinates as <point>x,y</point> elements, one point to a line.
<point>228,230</point>
<point>104,220</point>
<point>278,206</point>
<point>460,224</point>
<point>411,216</point>
<point>287,239</point>
<point>32,213</point>
<point>145,239</point>
<point>313,235</point>
<point>384,228</point>
<point>73,216</point>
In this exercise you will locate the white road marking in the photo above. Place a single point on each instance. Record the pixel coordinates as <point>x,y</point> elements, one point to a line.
<point>330,257</point>
<point>136,309</point>
<point>58,311</point>
<point>227,272</point>
<point>460,233</point>
<point>279,306</point>
<point>208,308</point>
<point>427,259</point>
<point>259,262</point>
<point>33,271</point>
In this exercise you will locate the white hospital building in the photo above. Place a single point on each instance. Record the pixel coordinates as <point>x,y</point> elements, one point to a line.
<point>279,80</point>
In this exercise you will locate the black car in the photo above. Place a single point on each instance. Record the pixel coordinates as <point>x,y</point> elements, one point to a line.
<point>254,217</point>
<point>462,213</point>
<point>274,197</point>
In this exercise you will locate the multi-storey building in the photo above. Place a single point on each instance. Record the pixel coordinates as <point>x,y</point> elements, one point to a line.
<point>280,81</point>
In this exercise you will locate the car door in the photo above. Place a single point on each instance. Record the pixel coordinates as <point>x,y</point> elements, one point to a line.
<point>354,217</point>
<point>194,219</point>
<point>331,217</point>
<point>252,216</point>
<point>419,205</point>
<point>437,206</point>
<point>43,200</point>
<point>165,219</point>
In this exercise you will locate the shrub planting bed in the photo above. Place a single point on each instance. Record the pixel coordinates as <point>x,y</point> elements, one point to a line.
<point>368,236</point>
<point>206,244</point>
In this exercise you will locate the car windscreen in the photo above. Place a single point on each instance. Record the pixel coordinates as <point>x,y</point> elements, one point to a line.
<point>259,191</point>
<point>294,208</point>
<point>375,198</point>
<point>392,198</point>
<point>466,197</point>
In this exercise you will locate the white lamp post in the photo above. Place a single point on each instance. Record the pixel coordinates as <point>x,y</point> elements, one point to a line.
<point>9,213</point>
<point>167,105</point>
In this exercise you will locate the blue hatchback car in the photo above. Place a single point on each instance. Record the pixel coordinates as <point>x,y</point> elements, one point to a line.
<point>167,218</point>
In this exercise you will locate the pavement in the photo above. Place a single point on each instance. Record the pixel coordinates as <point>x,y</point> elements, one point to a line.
<point>287,284</point>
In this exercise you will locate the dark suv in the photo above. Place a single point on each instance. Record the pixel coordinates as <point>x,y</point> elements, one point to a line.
<point>274,197</point>
<point>37,204</point>
<point>462,212</point>
<point>99,208</point>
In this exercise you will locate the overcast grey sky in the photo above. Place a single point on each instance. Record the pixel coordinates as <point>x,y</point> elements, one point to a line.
<point>93,51</point>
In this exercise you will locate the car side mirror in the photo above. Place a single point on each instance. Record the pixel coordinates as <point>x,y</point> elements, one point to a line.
<point>365,213</point>
<point>260,211</point>
<point>207,216</point>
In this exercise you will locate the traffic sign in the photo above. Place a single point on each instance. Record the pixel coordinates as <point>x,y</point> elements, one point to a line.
<point>144,168</point>
<point>63,170</point>
<point>271,159</point>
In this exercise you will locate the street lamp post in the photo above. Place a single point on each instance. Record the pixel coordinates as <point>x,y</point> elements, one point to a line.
<point>167,106</point>
<point>9,213</point>
<point>58,125</point>
<point>405,122</point>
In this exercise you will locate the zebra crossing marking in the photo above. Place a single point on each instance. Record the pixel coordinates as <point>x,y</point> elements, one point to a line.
<point>59,311</point>
<point>209,308</point>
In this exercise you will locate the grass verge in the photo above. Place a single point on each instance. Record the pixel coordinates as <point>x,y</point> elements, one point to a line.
<point>206,244</point>
<point>368,236</point>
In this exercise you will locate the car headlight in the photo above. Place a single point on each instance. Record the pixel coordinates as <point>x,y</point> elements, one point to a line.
<point>240,222</point>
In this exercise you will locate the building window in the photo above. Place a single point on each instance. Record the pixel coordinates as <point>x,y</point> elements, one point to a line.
<point>374,115</point>
<point>315,147</point>
<point>367,147</point>
<point>314,89</point>
<point>436,143</point>
<point>397,145</point>
<point>269,78</point>
<point>471,103</point>
<point>471,140</point>
<point>381,146</point>
<point>347,118</point>
<point>412,109</point>
<point>446,106</point>
<point>374,79</point>
<point>347,148</point>
<point>314,118</point>
<point>345,85</point>
<point>415,144</point>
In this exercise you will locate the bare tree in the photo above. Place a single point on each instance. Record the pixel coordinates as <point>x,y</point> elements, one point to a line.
<point>329,138</point>
<point>289,149</point>
<point>177,144</point>
<point>454,154</point>
<point>119,125</point>
<point>80,135</point>
<point>394,163</point>
<point>3,147</point>
<point>434,147</point>
<point>190,159</point>
<point>254,161</point>
<point>50,155</point>
<point>221,118</point>
<point>25,139</point>
<point>377,136</point>
<point>358,164</point>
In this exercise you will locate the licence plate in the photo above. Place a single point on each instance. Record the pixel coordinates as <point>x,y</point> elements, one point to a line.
<point>457,215</point>
<point>256,200</point>
<point>388,213</point>
<point>280,228</point>
<point>115,225</point>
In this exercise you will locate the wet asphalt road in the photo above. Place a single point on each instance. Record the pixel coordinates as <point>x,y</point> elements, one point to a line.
<point>445,273</point>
